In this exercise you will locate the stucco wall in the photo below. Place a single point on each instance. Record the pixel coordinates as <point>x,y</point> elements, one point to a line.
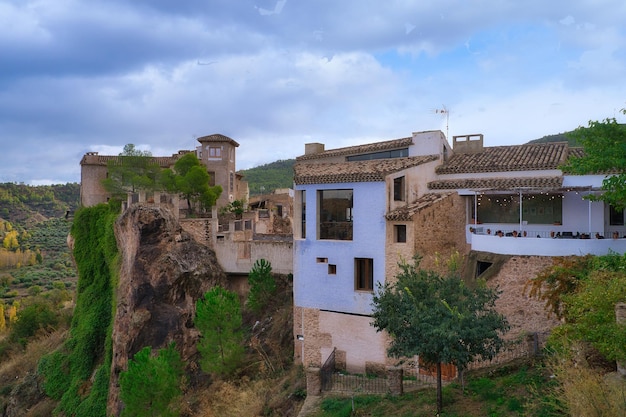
<point>357,342</point>
<point>314,287</point>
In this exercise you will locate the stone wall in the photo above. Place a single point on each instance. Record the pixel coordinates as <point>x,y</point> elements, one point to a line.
<point>439,229</point>
<point>201,229</point>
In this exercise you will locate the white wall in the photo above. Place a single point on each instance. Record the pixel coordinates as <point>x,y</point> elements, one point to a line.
<point>313,286</point>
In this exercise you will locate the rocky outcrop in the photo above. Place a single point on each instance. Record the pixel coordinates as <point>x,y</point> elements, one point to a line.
<point>163,272</point>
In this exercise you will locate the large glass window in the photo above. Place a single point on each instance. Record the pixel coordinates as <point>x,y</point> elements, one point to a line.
<point>505,208</point>
<point>335,214</point>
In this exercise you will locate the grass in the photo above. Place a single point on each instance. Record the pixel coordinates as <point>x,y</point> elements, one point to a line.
<point>512,392</point>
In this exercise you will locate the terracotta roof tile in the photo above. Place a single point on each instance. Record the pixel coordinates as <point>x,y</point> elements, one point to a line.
<point>407,212</point>
<point>497,183</point>
<point>95,159</point>
<point>360,149</point>
<point>358,171</point>
<point>508,158</point>
<point>216,137</point>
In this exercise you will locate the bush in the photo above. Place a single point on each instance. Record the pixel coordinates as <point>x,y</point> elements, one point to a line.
<point>35,317</point>
<point>262,285</point>
<point>152,384</point>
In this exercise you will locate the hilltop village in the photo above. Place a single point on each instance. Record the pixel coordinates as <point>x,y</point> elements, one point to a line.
<point>354,213</point>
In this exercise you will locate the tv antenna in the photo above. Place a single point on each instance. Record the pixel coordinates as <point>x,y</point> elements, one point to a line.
<point>444,112</point>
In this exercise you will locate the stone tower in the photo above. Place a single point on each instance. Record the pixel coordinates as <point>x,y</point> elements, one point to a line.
<point>217,153</point>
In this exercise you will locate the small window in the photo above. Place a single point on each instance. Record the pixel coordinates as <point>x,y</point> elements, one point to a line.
<point>322,260</point>
<point>215,152</point>
<point>332,269</point>
<point>398,189</point>
<point>363,274</point>
<point>400,233</point>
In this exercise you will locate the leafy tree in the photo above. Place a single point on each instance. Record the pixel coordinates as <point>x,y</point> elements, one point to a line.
<point>262,284</point>
<point>439,318</point>
<point>3,321</point>
<point>219,320</point>
<point>131,171</point>
<point>151,386</point>
<point>604,144</point>
<point>191,180</point>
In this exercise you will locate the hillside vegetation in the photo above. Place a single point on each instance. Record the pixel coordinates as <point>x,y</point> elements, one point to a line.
<point>266,178</point>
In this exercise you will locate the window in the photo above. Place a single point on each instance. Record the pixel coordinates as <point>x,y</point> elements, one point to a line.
<point>232,182</point>
<point>396,153</point>
<point>215,152</point>
<point>504,208</point>
<point>303,215</point>
<point>321,260</point>
<point>398,189</point>
<point>616,217</point>
<point>400,233</point>
<point>211,178</point>
<point>363,274</point>
<point>335,214</point>
<point>332,269</point>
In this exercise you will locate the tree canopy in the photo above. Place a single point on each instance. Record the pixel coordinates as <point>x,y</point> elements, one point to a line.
<point>191,180</point>
<point>131,171</point>
<point>439,318</point>
<point>604,144</point>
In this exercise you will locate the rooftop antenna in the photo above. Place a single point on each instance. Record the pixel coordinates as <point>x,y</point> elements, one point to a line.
<point>443,111</point>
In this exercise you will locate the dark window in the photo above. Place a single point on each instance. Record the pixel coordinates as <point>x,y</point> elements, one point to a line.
<point>332,269</point>
<point>396,153</point>
<point>504,208</point>
<point>303,229</point>
<point>398,189</point>
<point>481,267</point>
<point>400,233</point>
<point>364,274</point>
<point>335,214</point>
<point>616,217</point>
<point>279,210</point>
<point>211,178</point>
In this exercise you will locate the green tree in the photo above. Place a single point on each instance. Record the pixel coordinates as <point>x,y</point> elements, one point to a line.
<point>439,318</point>
<point>262,284</point>
<point>219,320</point>
<point>604,144</point>
<point>190,179</point>
<point>151,387</point>
<point>131,171</point>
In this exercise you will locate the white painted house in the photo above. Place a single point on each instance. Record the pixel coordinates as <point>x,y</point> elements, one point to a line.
<point>360,210</point>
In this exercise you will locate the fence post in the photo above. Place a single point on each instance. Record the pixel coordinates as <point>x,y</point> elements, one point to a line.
<point>394,380</point>
<point>313,381</point>
<point>620,318</point>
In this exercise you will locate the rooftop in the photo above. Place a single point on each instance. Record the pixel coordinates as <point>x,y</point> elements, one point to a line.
<point>360,149</point>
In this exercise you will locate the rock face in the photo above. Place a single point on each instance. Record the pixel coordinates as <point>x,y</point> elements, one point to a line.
<point>163,273</point>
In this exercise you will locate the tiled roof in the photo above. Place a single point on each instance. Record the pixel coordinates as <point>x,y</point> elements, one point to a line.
<point>497,183</point>
<point>95,159</point>
<point>508,158</point>
<point>216,137</point>
<point>357,171</point>
<point>406,213</point>
<point>360,149</point>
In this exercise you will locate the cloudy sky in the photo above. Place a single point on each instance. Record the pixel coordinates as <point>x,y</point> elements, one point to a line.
<point>79,76</point>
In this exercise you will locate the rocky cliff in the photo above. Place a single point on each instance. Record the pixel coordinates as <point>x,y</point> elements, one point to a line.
<point>163,272</point>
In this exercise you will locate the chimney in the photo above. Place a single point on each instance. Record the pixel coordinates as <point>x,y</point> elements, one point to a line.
<point>313,148</point>
<point>467,143</point>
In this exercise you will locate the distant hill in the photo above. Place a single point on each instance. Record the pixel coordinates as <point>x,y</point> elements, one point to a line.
<point>559,137</point>
<point>25,205</point>
<point>266,178</point>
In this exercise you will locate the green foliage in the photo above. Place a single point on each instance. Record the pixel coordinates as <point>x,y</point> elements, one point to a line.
<point>39,315</point>
<point>266,178</point>
<point>131,171</point>
<point>152,385</point>
<point>262,285</point>
<point>190,179</point>
<point>236,207</point>
<point>439,318</point>
<point>88,349</point>
<point>605,152</point>
<point>19,203</point>
<point>219,320</point>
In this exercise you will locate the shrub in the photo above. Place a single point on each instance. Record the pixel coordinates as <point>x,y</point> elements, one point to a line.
<point>262,285</point>
<point>152,384</point>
